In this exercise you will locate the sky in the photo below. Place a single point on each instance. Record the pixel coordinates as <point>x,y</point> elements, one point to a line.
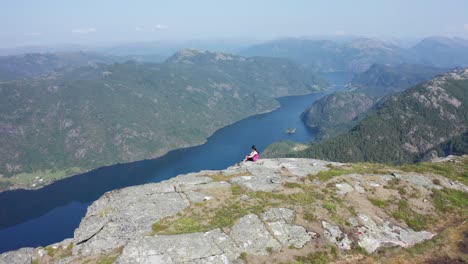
<point>100,22</point>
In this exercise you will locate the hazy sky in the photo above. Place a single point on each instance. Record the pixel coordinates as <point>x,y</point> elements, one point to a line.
<point>26,22</point>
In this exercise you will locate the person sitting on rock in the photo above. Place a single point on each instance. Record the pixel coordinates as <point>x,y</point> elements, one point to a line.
<point>253,156</point>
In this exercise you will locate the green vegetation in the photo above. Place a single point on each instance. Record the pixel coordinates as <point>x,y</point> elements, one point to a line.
<point>158,227</point>
<point>94,116</point>
<point>397,132</point>
<point>319,257</point>
<point>243,256</point>
<point>330,207</point>
<point>362,168</point>
<point>448,199</point>
<point>414,220</point>
<point>455,171</point>
<point>378,202</point>
<point>337,113</point>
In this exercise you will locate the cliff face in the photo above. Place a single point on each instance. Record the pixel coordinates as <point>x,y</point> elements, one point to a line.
<point>273,210</point>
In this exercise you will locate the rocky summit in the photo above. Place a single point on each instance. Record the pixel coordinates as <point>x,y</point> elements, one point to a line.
<point>276,211</point>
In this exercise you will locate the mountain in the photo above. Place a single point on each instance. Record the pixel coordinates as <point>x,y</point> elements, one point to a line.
<point>74,121</point>
<point>381,80</point>
<point>35,64</point>
<point>338,112</point>
<point>407,126</point>
<point>276,211</point>
<point>441,52</point>
<point>356,55</point>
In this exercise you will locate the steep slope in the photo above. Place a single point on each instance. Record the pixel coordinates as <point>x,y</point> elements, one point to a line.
<point>276,211</point>
<point>337,113</point>
<point>340,111</point>
<point>356,55</point>
<point>61,125</point>
<point>406,126</point>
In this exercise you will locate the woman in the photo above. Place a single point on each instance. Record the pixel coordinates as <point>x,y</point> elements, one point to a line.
<point>253,156</point>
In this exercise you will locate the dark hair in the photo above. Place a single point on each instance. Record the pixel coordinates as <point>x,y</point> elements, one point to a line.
<point>254,148</point>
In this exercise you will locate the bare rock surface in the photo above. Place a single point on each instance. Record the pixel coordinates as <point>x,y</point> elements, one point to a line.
<point>252,237</point>
<point>336,236</point>
<point>124,218</point>
<point>20,256</point>
<point>278,214</point>
<point>185,248</point>
<point>121,215</point>
<point>373,236</point>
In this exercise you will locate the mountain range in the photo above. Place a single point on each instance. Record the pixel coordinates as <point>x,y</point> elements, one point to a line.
<point>65,122</point>
<point>358,54</point>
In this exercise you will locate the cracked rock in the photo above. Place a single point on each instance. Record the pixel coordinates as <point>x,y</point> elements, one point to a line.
<point>252,237</point>
<point>277,214</point>
<point>124,214</point>
<point>373,236</point>
<point>172,249</point>
<point>289,235</point>
<point>336,236</point>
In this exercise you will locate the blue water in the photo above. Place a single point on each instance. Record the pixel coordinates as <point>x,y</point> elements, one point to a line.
<point>31,218</point>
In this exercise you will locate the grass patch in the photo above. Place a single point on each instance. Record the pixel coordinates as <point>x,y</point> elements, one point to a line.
<point>225,216</point>
<point>331,207</point>
<point>448,199</point>
<point>225,177</point>
<point>110,258</point>
<point>378,202</point>
<point>158,227</point>
<point>292,185</point>
<point>319,257</point>
<point>236,189</point>
<point>309,216</point>
<point>414,220</point>
<point>243,256</point>
<point>185,225</point>
<point>453,170</point>
<point>363,168</point>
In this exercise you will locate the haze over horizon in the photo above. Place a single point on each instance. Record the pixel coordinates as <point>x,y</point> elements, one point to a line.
<point>106,22</point>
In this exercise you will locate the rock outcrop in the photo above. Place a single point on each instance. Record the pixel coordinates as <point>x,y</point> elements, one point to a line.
<point>270,208</point>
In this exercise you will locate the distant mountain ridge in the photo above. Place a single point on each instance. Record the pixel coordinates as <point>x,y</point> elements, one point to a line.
<point>358,54</point>
<point>73,121</point>
<point>32,65</point>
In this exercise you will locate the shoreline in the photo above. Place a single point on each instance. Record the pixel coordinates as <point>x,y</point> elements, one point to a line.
<point>47,183</point>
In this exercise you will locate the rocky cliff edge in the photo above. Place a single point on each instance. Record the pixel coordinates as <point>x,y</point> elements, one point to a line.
<point>275,210</point>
